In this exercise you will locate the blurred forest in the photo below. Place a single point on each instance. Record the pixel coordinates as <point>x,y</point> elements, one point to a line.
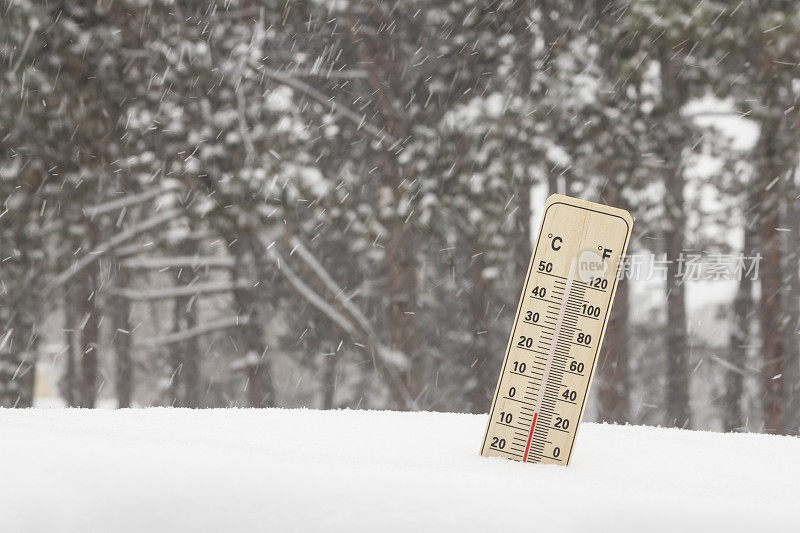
<point>330,203</point>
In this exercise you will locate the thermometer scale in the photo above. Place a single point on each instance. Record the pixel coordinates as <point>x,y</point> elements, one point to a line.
<point>558,330</point>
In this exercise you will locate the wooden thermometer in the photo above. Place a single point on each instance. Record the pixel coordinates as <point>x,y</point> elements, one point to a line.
<point>557,333</point>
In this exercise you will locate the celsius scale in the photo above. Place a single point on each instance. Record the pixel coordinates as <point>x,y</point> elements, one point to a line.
<point>558,330</point>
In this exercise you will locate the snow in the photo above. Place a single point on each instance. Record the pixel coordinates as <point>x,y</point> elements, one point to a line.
<point>303,470</point>
<point>721,115</point>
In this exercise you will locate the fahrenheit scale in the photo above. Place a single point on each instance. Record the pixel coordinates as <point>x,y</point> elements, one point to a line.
<point>558,330</point>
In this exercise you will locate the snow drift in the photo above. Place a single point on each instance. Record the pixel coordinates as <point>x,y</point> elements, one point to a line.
<point>301,470</point>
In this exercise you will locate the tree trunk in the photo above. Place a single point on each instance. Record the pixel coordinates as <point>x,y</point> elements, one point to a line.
<point>68,382</point>
<point>400,264</point>
<point>376,49</point>
<point>613,375</point>
<point>90,336</point>
<point>483,362</point>
<point>677,397</point>
<point>257,365</point>
<point>17,364</point>
<point>329,379</point>
<point>792,373</point>
<point>121,322</point>
<point>678,412</point>
<point>184,356</point>
<point>770,304</point>
<point>733,418</point>
<point>522,251</point>
<point>772,349</point>
<point>613,380</point>
<point>191,359</point>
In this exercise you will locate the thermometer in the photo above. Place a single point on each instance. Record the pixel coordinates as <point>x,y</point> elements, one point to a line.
<point>557,333</point>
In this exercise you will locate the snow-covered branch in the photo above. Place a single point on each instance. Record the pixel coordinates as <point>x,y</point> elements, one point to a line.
<point>386,360</point>
<point>311,296</point>
<point>185,261</point>
<point>197,289</point>
<point>382,137</point>
<point>202,329</point>
<point>107,246</point>
<point>138,248</point>
<point>330,74</point>
<point>126,201</point>
<point>335,290</point>
<point>24,52</point>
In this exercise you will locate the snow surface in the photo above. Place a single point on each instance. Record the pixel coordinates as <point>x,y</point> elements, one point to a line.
<point>301,470</point>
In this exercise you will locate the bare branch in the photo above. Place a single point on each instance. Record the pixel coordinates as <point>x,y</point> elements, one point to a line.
<point>126,201</point>
<point>713,114</point>
<point>34,27</point>
<point>185,261</point>
<point>312,297</point>
<point>333,288</point>
<point>197,289</point>
<point>330,74</point>
<point>202,329</point>
<point>107,246</point>
<point>385,359</point>
<point>138,248</point>
<point>382,137</point>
